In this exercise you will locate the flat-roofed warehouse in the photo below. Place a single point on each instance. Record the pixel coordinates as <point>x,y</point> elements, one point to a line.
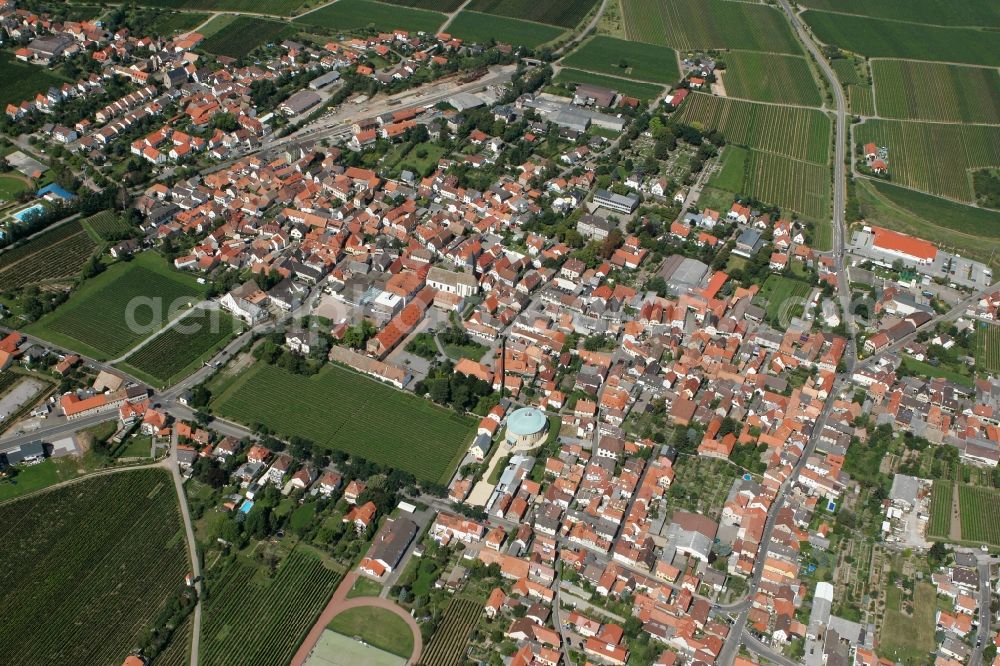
<point>683,274</point>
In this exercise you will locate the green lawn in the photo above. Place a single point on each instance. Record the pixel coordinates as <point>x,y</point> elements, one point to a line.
<point>632,60</point>
<point>21,81</point>
<point>782,298</point>
<point>644,91</point>
<point>12,185</point>
<point>364,587</point>
<point>377,627</point>
<point>116,310</point>
<point>482,28</point>
<point>36,477</point>
<point>730,177</point>
<point>927,370</point>
<point>354,14</point>
<point>340,409</point>
<point>136,447</point>
<point>908,638</point>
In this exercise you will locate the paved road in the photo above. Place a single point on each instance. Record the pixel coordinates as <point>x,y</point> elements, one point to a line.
<point>171,462</point>
<point>985,612</point>
<point>340,603</point>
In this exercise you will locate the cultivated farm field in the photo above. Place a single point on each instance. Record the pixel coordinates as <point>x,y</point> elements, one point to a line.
<point>861,100</point>
<point>276,7</point>
<point>701,24</point>
<point>354,14</point>
<point>803,134</point>
<point>935,12</point>
<point>447,645</point>
<point>339,409</point>
<point>980,508</point>
<point>436,5</point>
<point>242,35</point>
<point>794,185</point>
<point>95,320</point>
<point>934,157</point>
<point>936,91</point>
<point>253,619</point>
<point>20,80</point>
<point>477,27</point>
<point>565,13</point>
<point>988,348</point>
<point>770,77</point>
<point>877,38</point>
<point>940,522</point>
<point>57,254</point>
<point>646,62</point>
<point>188,343</point>
<point>87,568</point>
<point>105,225</point>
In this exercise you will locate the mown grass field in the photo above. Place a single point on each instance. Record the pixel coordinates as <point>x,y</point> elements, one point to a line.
<point>113,312</point>
<point>936,91</point>
<point>11,185</point>
<point>250,618</point>
<point>54,255</point>
<point>451,638</point>
<point>733,172</point>
<point>182,348</point>
<point>87,567</point>
<point>481,28</point>
<point>276,7</point>
<point>906,637</point>
<point>988,348</point>
<point>21,81</point>
<point>565,13</point>
<point>105,225</point>
<point>645,62</point>
<point>377,627</point>
<point>354,14</point>
<point>702,24</point>
<point>940,522</point>
<point>243,34</point>
<point>638,89</point>
<point>935,12</point>
<point>980,511</point>
<point>933,157</point>
<point>769,77</point>
<point>972,232</point>
<point>339,409</point>
<point>782,298</point>
<point>877,38</point>
<point>803,134</point>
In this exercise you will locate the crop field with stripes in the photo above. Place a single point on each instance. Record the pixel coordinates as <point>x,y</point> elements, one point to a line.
<point>980,510</point>
<point>936,91</point>
<point>803,134</point>
<point>698,24</point>
<point>449,642</point>
<point>799,187</point>
<point>988,348</point>
<point>940,523</point>
<point>769,77</point>
<point>932,157</point>
<point>861,100</point>
<point>565,13</point>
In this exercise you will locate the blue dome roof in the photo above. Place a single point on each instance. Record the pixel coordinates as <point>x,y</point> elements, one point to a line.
<point>526,421</point>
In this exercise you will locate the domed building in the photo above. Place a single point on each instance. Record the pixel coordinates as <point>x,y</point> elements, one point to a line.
<point>526,427</point>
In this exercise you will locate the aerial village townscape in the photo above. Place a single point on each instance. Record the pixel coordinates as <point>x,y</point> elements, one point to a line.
<point>495,332</point>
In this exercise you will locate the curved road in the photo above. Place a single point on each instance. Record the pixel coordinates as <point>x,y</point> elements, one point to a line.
<point>340,603</point>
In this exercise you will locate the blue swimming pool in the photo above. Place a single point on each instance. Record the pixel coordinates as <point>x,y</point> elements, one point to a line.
<point>247,505</point>
<point>29,212</point>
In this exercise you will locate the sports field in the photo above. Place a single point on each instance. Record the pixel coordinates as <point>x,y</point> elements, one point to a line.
<point>335,649</point>
<point>354,14</point>
<point>481,28</point>
<point>803,134</point>
<point>980,511</point>
<point>935,12</point>
<point>703,24</point>
<point>934,157</point>
<point>181,349</point>
<point>276,7</point>
<point>377,627</point>
<point>21,81</point>
<point>111,313</point>
<point>242,34</point>
<point>632,60</point>
<point>770,77</point>
<point>340,409</point>
<point>988,348</point>
<point>936,91</point>
<point>53,256</point>
<point>877,38</point>
<point>565,13</point>
<point>253,618</point>
<point>87,568</point>
<point>638,89</point>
